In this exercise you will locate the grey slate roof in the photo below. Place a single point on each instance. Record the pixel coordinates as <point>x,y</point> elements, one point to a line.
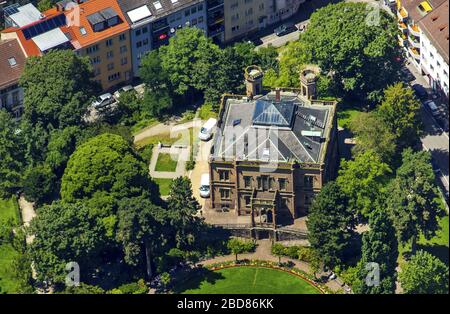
<point>248,139</point>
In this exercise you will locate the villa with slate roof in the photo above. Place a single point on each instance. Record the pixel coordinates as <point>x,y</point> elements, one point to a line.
<point>272,153</point>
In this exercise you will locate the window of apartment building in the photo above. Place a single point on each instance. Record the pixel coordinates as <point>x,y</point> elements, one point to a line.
<point>139,44</point>
<point>283,184</point>
<point>97,71</point>
<point>124,61</point>
<point>247,200</point>
<point>194,22</point>
<point>234,5</point>
<point>123,49</point>
<point>235,28</point>
<point>109,42</point>
<point>308,181</point>
<point>224,175</point>
<point>200,7</point>
<point>187,12</point>
<point>247,182</point>
<point>95,60</point>
<point>284,203</point>
<point>110,66</point>
<point>145,42</point>
<point>200,19</point>
<point>109,54</point>
<point>249,12</point>
<point>114,77</point>
<point>225,194</point>
<point>145,30</point>
<point>194,10</point>
<point>122,37</point>
<point>138,32</point>
<point>5,100</point>
<point>91,49</point>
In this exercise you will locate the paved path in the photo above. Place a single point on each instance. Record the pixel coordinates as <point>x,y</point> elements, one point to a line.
<point>28,213</point>
<point>263,252</point>
<point>182,154</point>
<point>164,128</point>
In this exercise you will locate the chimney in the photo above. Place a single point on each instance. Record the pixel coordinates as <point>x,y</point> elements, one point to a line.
<point>278,94</point>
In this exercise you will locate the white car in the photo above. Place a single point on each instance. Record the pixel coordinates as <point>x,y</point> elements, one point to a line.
<point>102,100</point>
<point>122,90</point>
<point>204,185</point>
<point>206,131</point>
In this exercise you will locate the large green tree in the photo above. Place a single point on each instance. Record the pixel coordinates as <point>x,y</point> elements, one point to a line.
<point>413,202</point>
<point>182,207</point>
<point>379,245</point>
<point>140,230</point>
<point>58,88</point>
<point>400,112</point>
<point>105,163</point>
<point>357,43</point>
<point>424,274</point>
<point>12,161</point>
<point>372,134</point>
<point>330,225</point>
<point>363,180</point>
<point>65,233</point>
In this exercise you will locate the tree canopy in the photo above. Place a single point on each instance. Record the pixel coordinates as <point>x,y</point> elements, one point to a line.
<point>359,46</point>
<point>330,224</point>
<point>58,88</point>
<point>105,163</point>
<point>362,180</point>
<point>12,161</point>
<point>424,274</point>
<point>413,201</point>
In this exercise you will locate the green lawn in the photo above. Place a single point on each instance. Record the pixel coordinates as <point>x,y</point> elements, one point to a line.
<point>344,116</point>
<point>166,162</point>
<point>247,279</point>
<point>9,209</point>
<point>164,185</point>
<point>8,283</point>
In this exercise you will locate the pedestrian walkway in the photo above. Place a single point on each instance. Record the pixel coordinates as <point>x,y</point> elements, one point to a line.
<point>27,213</point>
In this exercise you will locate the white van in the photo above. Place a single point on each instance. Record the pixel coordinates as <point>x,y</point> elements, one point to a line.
<point>204,185</point>
<point>432,107</point>
<point>206,131</point>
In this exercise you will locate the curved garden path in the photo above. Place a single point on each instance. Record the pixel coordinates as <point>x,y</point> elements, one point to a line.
<point>263,252</point>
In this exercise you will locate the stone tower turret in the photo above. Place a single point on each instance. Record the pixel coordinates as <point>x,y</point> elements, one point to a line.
<point>253,80</point>
<point>308,80</point>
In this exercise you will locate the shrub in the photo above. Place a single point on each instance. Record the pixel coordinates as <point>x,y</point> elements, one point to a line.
<point>132,288</point>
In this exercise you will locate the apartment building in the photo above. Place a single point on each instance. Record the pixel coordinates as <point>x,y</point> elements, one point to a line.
<point>273,151</point>
<point>434,40</point>
<point>243,17</point>
<point>216,20</point>
<point>93,28</point>
<point>424,37</point>
<point>153,22</point>
<point>12,61</point>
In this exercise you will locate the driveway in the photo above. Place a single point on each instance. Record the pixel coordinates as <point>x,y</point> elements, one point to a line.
<point>201,167</point>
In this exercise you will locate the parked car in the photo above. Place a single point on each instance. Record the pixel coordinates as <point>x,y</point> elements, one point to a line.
<point>420,91</point>
<point>431,106</point>
<point>204,185</point>
<point>206,131</point>
<point>284,29</point>
<point>103,100</point>
<point>122,90</point>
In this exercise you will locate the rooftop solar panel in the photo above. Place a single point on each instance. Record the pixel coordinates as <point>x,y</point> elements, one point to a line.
<point>95,18</point>
<point>108,13</point>
<point>44,26</point>
<point>12,9</point>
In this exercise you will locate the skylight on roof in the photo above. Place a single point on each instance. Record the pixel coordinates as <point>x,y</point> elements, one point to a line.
<point>157,5</point>
<point>83,31</point>
<point>276,114</point>
<point>12,61</point>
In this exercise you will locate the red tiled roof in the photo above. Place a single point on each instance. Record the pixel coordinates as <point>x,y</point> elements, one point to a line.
<point>10,74</point>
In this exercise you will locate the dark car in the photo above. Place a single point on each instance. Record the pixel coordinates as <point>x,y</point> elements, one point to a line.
<point>420,91</point>
<point>284,29</point>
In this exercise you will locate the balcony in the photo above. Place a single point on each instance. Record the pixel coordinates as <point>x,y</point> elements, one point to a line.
<point>414,53</point>
<point>414,30</point>
<point>402,15</point>
<point>401,40</point>
<point>413,42</point>
<point>402,27</point>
